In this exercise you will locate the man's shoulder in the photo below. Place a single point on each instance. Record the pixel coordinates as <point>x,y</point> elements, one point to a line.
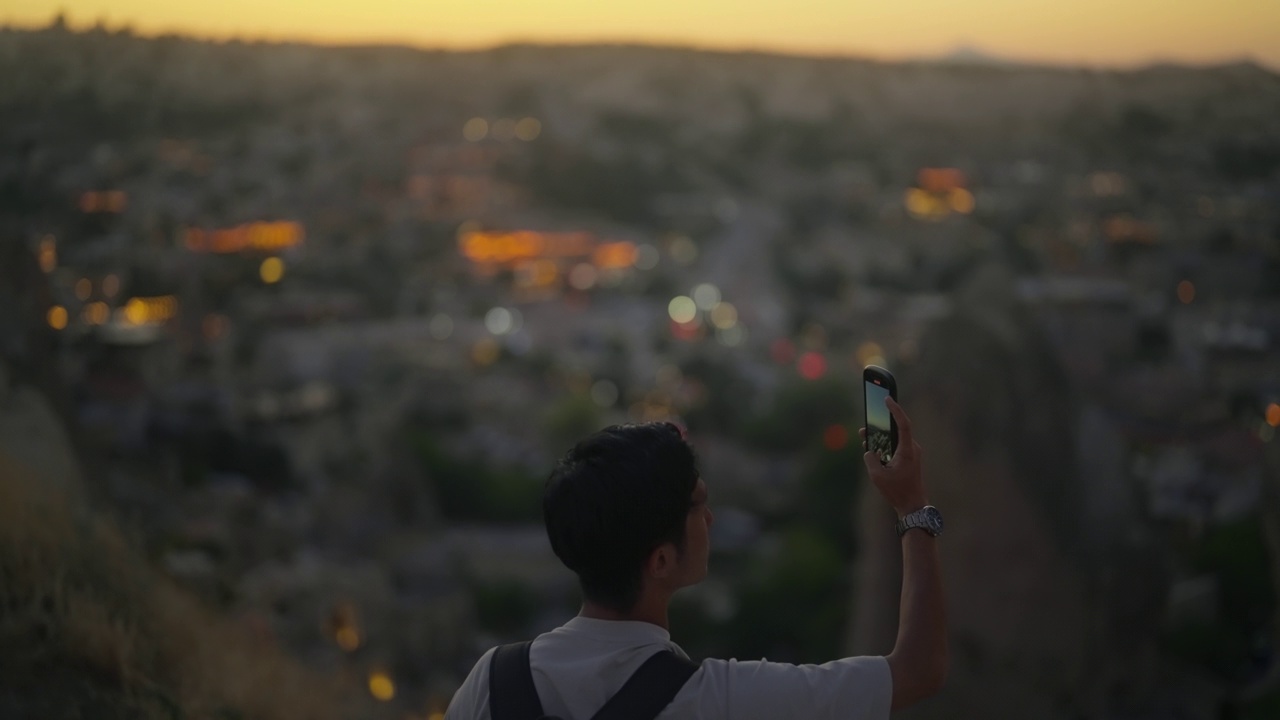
<point>471,701</point>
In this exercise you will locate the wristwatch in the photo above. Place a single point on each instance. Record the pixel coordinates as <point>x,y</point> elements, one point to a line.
<point>926,518</point>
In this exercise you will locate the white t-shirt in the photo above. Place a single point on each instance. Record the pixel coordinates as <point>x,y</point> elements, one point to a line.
<point>580,665</point>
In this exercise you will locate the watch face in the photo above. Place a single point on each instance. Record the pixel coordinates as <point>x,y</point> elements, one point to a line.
<point>933,519</point>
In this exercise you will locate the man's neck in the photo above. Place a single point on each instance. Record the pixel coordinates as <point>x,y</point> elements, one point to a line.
<point>653,612</point>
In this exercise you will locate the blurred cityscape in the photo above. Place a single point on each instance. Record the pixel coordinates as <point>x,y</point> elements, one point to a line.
<point>312,324</point>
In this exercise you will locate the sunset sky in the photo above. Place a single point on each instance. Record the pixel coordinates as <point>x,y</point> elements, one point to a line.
<point>1093,32</point>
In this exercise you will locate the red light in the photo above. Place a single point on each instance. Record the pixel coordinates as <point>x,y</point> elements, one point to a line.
<point>812,366</point>
<point>876,382</point>
<point>685,331</point>
<point>835,437</point>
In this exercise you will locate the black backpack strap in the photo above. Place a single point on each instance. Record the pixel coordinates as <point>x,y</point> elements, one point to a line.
<point>512,695</point>
<point>650,689</point>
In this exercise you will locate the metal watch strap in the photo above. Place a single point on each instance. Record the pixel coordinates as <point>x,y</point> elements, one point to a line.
<point>916,519</point>
<point>906,524</point>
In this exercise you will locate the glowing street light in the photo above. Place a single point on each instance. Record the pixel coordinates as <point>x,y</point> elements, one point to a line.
<point>682,309</point>
<point>271,270</point>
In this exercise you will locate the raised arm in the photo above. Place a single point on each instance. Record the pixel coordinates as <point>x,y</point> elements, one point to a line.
<point>919,658</point>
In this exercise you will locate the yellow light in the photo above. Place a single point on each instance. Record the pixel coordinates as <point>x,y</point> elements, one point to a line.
<point>436,716</point>
<point>135,311</point>
<point>1273,415</point>
<point>724,316</point>
<point>528,129</point>
<point>869,351</point>
<point>348,638</point>
<point>381,687</point>
<point>1186,292</point>
<point>476,129</point>
<point>143,310</point>
<point>84,288</point>
<point>57,317</point>
<point>917,201</point>
<point>271,270</point>
<point>544,272</point>
<point>962,201</point>
<point>682,309</point>
<point>926,205</point>
<point>110,285</point>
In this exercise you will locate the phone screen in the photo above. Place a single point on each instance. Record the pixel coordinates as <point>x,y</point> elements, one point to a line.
<point>879,439</point>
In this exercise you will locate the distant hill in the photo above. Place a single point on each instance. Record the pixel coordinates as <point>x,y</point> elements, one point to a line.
<point>970,55</point>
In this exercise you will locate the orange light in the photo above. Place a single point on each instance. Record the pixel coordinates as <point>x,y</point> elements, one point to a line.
<point>528,129</point>
<point>537,273</point>
<point>259,236</point>
<point>1125,229</point>
<point>940,180</point>
<point>348,638</point>
<point>1273,415</point>
<point>96,313</point>
<point>615,255</point>
<point>518,246</point>
<point>48,254</point>
<point>57,317</point>
<point>113,201</point>
<point>835,437</point>
<point>962,201</point>
<point>84,288</point>
<point>485,352</point>
<point>1186,292</point>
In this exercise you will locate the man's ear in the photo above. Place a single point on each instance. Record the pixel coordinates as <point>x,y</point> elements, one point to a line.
<point>662,561</point>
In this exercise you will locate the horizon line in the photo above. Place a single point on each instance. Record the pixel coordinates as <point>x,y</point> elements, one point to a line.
<point>984,57</point>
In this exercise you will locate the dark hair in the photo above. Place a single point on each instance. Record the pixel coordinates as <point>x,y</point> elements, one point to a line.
<point>615,497</point>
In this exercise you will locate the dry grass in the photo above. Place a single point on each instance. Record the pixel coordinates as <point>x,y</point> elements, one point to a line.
<point>88,629</point>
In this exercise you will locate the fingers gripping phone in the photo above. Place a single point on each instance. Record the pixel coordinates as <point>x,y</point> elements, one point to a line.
<point>882,431</point>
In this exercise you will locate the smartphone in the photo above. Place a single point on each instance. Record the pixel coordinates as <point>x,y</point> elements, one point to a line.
<point>882,431</point>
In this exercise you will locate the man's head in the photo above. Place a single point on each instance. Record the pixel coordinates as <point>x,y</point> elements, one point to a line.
<point>625,508</point>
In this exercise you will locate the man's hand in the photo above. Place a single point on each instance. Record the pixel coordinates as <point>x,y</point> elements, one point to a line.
<point>919,659</point>
<point>901,482</point>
